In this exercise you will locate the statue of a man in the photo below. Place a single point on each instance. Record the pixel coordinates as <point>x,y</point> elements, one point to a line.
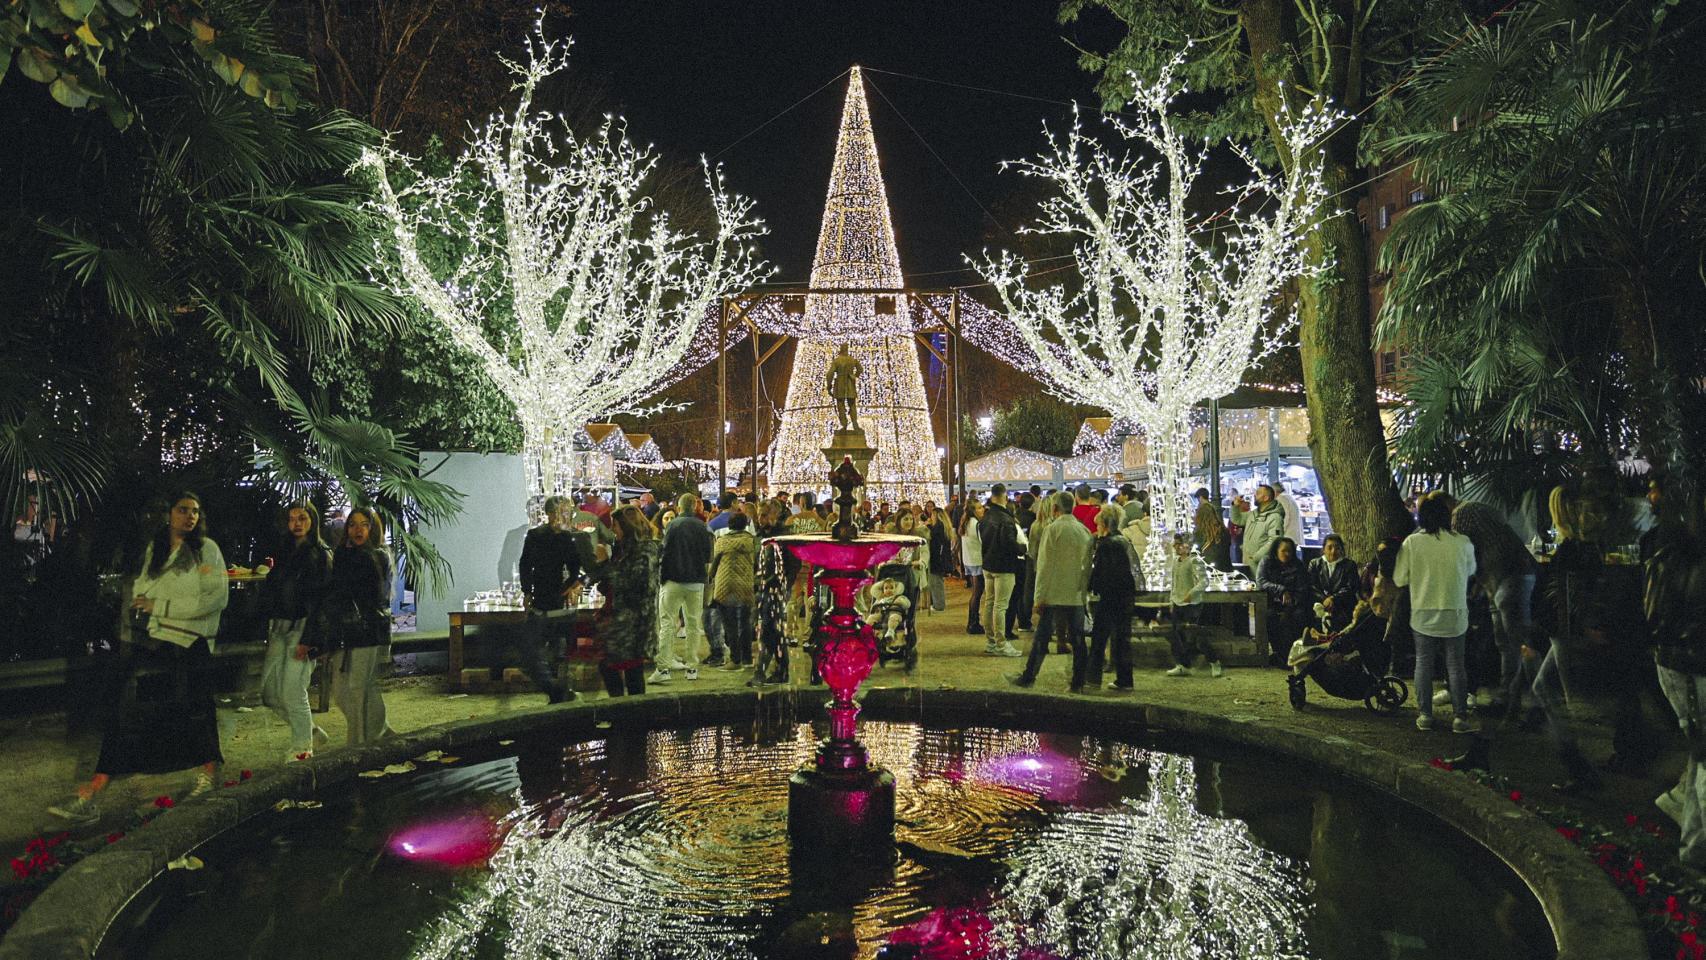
<point>843,385</point>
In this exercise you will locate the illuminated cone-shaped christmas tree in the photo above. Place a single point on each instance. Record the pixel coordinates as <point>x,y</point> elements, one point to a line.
<point>856,250</point>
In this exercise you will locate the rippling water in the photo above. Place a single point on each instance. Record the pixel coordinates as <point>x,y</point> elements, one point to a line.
<point>673,844</point>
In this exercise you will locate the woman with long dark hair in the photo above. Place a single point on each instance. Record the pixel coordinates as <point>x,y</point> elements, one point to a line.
<point>357,618</point>
<point>1572,617</point>
<point>629,580</point>
<point>1436,564</point>
<point>166,720</point>
<point>289,596</point>
<point>1212,540</point>
<point>971,560</point>
<point>1286,580</point>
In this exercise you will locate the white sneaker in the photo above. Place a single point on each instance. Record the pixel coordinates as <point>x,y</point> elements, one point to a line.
<point>678,664</point>
<point>1216,670</point>
<point>1007,650</point>
<point>660,675</point>
<point>1442,698</point>
<point>203,784</point>
<point>1424,721</point>
<point>1179,670</point>
<point>321,737</point>
<point>79,810</point>
<point>692,673</point>
<point>1464,725</point>
<point>1669,804</point>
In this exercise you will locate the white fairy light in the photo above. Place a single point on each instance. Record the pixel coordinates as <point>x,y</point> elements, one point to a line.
<point>1169,305</point>
<point>609,299</point>
<point>856,249</point>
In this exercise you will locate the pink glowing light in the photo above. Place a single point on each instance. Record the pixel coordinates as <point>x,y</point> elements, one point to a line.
<point>459,842</point>
<point>1052,776</point>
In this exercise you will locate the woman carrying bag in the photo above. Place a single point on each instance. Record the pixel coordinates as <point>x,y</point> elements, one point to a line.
<point>355,622</point>
<point>165,720</point>
<point>289,596</point>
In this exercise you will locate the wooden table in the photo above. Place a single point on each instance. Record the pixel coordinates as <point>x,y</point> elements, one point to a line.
<point>579,623</point>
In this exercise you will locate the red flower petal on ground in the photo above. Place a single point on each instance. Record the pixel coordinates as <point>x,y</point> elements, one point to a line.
<point>1570,833</point>
<point>20,869</point>
<point>1630,819</point>
<point>230,783</point>
<point>35,846</point>
<point>247,774</point>
<point>1516,796</point>
<point>163,802</point>
<point>303,756</point>
<point>115,837</point>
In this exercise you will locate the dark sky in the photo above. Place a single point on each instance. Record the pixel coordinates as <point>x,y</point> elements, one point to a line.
<point>694,77</point>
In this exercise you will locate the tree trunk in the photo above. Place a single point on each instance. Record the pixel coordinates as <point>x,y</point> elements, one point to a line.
<point>1346,439</point>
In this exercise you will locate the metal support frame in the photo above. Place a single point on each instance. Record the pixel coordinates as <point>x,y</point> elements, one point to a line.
<point>736,309</point>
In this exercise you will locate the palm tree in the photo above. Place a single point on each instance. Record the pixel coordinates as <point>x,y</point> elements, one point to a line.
<point>1551,290</point>
<point>183,273</point>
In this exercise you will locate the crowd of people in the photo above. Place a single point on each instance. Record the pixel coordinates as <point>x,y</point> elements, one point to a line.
<point>319,603</point>
<point>1522,634</point>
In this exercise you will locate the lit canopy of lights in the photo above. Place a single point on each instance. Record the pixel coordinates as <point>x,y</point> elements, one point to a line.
<point>1168,307</point>
<point>555,228</point>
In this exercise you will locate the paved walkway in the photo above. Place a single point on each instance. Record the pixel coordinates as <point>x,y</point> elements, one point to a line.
<point>44,760</point>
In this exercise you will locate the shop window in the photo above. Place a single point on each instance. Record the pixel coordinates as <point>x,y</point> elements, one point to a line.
<point>1416,195</point>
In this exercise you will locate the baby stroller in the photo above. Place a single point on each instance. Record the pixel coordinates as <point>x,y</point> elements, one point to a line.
<point>1351,665</point>
<point>890,605</point>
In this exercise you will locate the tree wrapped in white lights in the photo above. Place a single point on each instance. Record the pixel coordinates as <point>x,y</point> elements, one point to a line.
<point>1169,306</point>
<point>555,229</point>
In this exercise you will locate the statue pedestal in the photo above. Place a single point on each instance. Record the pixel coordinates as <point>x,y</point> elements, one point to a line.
<point>850,445</point>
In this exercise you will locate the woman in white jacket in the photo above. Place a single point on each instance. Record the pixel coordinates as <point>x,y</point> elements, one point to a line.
<point>169,723</point>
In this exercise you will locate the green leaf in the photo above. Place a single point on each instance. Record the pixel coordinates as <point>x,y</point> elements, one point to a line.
<point>69,92</point>
<point>5,61</point>
<point>124,8</point>
<point>76,9</point>
<point>38,65</point>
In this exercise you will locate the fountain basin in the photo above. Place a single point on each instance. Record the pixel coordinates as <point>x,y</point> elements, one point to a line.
<point>1587,917</point>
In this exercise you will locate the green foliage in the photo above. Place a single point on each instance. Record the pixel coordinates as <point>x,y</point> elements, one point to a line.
<point>178,278</point>
<point>1037,422</point>
<point>81,49</point>
<point>420,381</point>
<point>1554,286</point>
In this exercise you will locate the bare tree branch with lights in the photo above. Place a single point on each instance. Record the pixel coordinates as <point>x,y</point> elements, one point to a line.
<point>1170,306</point>
<point>554,228</point>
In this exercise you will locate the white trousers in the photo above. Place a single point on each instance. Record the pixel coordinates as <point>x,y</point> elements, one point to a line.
<point>686,601</point>
<point>355,686</point>
<point>284,682</point>
<point>1675,684</point>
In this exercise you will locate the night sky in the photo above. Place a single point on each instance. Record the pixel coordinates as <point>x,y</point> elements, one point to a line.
<point>695,77</point>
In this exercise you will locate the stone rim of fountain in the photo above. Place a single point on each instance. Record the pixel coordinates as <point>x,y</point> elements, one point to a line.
<point>1589,918</point>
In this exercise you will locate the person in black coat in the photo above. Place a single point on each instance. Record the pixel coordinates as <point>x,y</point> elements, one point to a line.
<point>290,595</point>
<point>1333,582</point>
<point>553,557</point>
<point>356,619</point>
<point>1286,581</point>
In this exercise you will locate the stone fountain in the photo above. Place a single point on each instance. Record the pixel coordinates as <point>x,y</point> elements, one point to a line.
<point>840,805</point>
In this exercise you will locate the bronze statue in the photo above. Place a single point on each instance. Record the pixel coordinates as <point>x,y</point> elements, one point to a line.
<point>842,382</point>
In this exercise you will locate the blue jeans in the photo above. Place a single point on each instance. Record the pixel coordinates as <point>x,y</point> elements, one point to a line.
<point>1069,620</point>
<point>1457,678</point>
<point>1512,622</point>
<point>714,631</point>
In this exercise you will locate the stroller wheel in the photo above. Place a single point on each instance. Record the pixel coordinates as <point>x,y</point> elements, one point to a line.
<point>1299,694</point>
<point>911,659</point>
<point>1389,694</point>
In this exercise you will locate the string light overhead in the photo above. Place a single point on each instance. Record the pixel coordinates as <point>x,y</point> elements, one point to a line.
<point>609,298</point>
<point>1167,310</point>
